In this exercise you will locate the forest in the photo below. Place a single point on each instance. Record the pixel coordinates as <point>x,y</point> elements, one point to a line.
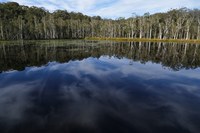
<point>23,22</point>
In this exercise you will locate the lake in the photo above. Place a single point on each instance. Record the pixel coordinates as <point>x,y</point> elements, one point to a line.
<point>81,86</point>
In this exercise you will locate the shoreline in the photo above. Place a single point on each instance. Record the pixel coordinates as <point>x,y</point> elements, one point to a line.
<point>144,40</point>
<point>116,39</point>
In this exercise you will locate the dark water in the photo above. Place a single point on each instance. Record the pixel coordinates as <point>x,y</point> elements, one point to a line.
<point>99,87</point>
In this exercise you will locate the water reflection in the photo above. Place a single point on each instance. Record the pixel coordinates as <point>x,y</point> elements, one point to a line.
<point>21,54</point>
<point>99,89</point>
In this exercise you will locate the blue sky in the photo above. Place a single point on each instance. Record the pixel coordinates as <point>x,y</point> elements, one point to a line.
<point>111,8</point>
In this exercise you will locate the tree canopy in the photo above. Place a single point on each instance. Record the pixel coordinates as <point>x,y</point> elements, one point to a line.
<point>23,22</point>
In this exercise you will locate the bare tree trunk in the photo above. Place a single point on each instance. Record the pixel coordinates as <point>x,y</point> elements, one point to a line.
<point>189,23</point>
<point>35,23</point>
<point>21,29</point>
<point>150,33</point>
<point>132,29</point>
<point>160,31</point>
<point>141,28</point>
<point>141,32</point>
<point>1,28</point>
<point>198,32</point>
<point>44,27</point>
<point>187,32</point>
<point>92,28</point>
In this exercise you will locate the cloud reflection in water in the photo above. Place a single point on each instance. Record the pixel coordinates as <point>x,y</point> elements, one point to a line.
<point>100,95</point>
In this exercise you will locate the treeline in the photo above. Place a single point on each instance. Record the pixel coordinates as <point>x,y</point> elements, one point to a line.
<point>23,22</point>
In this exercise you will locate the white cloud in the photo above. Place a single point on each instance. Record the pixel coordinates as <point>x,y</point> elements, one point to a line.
<point>111,8</point>
<point>125,8</point>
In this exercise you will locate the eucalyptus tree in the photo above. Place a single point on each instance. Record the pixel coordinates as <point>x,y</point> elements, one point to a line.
<point>22,22</point>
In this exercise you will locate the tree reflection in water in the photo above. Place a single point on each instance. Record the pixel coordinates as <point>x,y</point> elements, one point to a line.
<point>174,56</point>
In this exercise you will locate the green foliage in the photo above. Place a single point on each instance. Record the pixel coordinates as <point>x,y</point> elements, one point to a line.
<point>22,22</point>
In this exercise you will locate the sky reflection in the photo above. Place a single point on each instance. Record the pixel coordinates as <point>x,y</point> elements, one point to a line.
<point>103,94</point>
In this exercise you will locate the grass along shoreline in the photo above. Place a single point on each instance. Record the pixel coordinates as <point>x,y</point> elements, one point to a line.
<point>114,39</point>
<point>144,40</point>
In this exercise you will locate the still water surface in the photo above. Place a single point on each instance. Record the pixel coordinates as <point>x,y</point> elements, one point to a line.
<point>99,87</point>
